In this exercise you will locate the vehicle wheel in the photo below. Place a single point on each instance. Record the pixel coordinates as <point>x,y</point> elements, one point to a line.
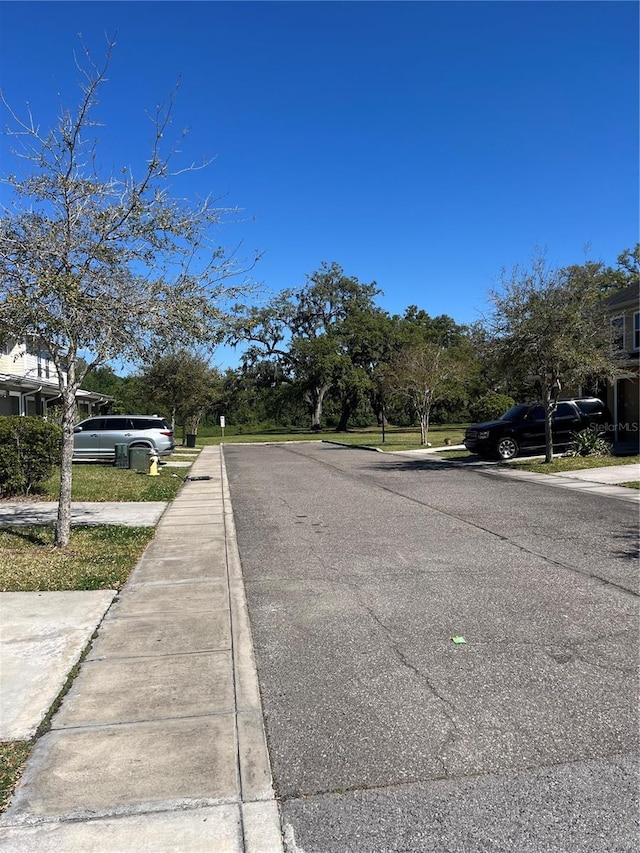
<point>507,448</point>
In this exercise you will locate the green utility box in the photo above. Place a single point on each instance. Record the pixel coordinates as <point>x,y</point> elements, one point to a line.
<point>122,456</point>
<point>139,459</point>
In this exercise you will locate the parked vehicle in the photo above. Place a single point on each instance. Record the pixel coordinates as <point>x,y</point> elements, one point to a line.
<point>96,438</point>
<point>522,427</point>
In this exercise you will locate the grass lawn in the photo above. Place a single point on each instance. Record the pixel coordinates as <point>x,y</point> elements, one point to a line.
<point>13,755</point>
<point>396,438</point>
<point>634,484</point>
<point>100,557</point>
<point>97,482</point>
<point>571,463</point>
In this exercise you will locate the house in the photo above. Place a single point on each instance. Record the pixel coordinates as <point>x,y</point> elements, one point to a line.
<point>623,399</point>
<point>29,384</point>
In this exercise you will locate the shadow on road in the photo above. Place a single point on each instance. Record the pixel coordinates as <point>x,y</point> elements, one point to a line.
<point>628,542</point>
<point>398,463</point>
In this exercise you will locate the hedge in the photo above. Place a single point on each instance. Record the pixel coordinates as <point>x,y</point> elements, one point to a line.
<point>29,450</point>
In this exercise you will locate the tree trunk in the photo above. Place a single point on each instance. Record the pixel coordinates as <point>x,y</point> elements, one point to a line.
<point>316,398</point>
<point>345,413</point>
<point>423,428</point>
<point>377,404</point>
<point>63,524</point>
<point>549,409</point>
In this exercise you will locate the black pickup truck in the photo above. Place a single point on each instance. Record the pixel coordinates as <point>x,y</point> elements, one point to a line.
<point>522,427</point>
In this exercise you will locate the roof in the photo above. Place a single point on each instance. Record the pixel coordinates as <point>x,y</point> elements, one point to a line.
<point>48,387</point>
<point>627,296</point>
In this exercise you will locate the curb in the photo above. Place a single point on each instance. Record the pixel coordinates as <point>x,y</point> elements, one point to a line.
<point>260,812</point>
<point>352,446</point>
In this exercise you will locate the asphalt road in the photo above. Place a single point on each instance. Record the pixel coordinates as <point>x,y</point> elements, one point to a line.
<point>384,735</point>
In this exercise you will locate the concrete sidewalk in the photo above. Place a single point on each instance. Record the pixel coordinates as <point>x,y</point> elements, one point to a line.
<point>42,637</point>
<point>129,514</point>
<point>595,481</point>
<point>598,481</point>
<point>159,745</point>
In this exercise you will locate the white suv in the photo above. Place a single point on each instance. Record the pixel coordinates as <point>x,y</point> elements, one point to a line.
<point>96,438</point>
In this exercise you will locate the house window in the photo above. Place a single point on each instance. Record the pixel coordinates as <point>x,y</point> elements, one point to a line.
<point>617,333</point>
<point>43,365</point>
<point>636,330</point>
<point>9,403</point>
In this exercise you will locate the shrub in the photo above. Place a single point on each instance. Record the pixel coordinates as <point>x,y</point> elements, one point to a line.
<point>29,449</point>
<point>589,443</point>
<point>490,406</point>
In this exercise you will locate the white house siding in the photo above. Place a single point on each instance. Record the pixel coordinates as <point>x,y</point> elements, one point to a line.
<point>29,383</point>
<point>19,362</point>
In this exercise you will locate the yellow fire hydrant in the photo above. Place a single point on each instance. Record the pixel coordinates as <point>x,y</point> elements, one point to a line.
<point>153,465</point>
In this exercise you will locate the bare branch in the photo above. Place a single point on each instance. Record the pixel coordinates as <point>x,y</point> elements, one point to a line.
<point>110,266</point>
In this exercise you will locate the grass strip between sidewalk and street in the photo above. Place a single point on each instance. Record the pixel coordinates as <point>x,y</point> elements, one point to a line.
<point>570,463</point>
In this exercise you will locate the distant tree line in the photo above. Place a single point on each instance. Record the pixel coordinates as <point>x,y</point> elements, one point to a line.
<point>106,263</point>
<point>325,356</point>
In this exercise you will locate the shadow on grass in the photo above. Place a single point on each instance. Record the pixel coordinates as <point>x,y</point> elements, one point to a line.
<point>28,534</point>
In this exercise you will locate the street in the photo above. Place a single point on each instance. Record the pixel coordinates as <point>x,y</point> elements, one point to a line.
<point>384,734</point>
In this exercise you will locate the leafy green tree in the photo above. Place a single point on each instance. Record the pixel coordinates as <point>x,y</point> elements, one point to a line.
<point>369,338</point>
<point>301,331</point>
<point>490,407</point>
<point>596,277</point>
<point>104,380</point>
<point>416,330</point>
<point>98,266</point>
<point>183,384</point>
<point>629,264</point>
<point>549,329</point>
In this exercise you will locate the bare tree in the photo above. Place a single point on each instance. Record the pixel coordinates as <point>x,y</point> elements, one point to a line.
<point>425,373</point>
<point>96,267</point>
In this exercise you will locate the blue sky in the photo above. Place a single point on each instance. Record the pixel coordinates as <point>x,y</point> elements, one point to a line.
<point>421,145</point>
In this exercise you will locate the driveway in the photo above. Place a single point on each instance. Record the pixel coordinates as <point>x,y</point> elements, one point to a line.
<point>384,734</point>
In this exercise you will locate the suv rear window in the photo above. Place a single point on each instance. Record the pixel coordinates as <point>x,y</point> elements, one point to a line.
<point>589,406</point>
